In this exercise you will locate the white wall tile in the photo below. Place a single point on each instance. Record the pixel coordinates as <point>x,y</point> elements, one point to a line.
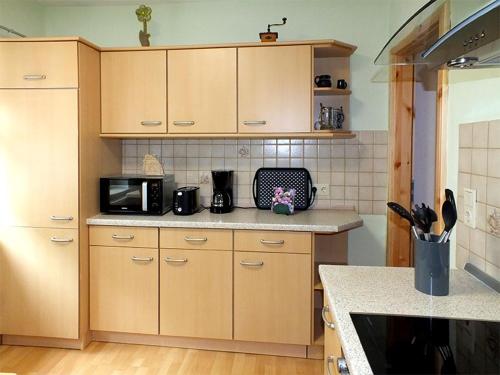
<point>335,162</point>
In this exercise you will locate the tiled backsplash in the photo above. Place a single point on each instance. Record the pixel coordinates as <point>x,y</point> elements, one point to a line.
<point>355,169</point>
<point>479,169</point>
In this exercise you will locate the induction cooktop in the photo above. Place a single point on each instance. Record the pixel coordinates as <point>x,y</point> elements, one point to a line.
<point>424,345</point>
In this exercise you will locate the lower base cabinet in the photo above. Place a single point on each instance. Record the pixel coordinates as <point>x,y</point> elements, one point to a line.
<point>124,289</point>
<point>39,282</point>
<point>272,297</point>
<point>196,295</point>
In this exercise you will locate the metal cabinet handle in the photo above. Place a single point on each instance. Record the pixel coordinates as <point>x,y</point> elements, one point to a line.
<point>61,240</point>
<point>119,237</point>
<point>329,324</point>
<point>173,260</point>
<point>342,366</point>
<point>196,239</point>
<point>256,122</point>
<point>142,259</point>
<point>150,123</point>
<point>249,263</point>
<point>34,77</point>
<point>61,218</point>
<point>269,242</point>
<point>184,123</point>
<point>329,360</point>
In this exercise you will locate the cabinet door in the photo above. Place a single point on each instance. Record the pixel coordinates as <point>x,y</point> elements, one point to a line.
<point>39,282</point>
<point>274,89</point>
<point>272,297</point>
<point>134,92</point>
<point>39,158</point>
<point>38,64</point>
<point>202,91</point>
<point>196,293</point>
<point>124,289</point>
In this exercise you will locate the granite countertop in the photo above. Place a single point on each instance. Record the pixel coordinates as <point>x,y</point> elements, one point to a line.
<point>390,290</point>
<point>323,221</point>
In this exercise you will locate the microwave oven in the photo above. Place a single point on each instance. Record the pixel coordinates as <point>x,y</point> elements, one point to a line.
<point>145,195</point>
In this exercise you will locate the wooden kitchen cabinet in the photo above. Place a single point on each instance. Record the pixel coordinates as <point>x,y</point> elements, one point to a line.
<point>333,348</point>
<point>124,289</point>
<point>196,238</point>
<point>272,297</point>
<point>202,91</point>
<point>134,92</point>
<point>38,65</point>
<point>39,157</point>
<point>39,279</point>
<point>196,295</point>
<point>274,89</point>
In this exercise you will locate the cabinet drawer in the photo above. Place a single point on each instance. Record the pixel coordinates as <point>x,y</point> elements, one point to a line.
<point>124,236</point>
<point>181,238</point>
<point>272,241</point>
<point>38,64</point>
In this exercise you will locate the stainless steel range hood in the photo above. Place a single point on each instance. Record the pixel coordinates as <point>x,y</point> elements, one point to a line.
<point>474,42</point>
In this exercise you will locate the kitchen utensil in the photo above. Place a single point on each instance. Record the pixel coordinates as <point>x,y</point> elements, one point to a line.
<point>341,84</point>
<point>424,216</point>
<point>299,179</point>
<point>450,218</point>
<point>403,212</point>
<point>323,80</point>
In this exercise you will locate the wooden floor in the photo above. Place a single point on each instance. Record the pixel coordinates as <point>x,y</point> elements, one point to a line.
<point>123,359</point>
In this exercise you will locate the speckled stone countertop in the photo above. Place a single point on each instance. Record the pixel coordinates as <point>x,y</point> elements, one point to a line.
<point>390,290</point>
<point>322,221</point>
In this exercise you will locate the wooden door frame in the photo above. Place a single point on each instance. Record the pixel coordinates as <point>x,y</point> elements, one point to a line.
<point>401,116</point>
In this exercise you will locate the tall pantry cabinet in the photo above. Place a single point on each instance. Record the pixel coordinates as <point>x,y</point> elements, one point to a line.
<point>51,157</point>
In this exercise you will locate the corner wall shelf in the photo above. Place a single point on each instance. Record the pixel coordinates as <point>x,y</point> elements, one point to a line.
<point>323,91</point>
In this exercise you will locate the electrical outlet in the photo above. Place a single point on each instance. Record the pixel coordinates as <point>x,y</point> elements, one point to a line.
<point>470,208</point>
<point>323,190</point>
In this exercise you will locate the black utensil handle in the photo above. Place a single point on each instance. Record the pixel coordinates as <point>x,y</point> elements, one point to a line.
<point>254,190</point>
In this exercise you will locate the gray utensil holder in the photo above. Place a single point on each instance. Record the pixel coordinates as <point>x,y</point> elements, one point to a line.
<point>432,267</point>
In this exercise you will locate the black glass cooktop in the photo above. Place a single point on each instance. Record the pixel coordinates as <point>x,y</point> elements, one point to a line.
<point>414,345</point>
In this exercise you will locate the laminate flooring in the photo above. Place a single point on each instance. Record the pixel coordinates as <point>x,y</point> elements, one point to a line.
<point>124,359</point>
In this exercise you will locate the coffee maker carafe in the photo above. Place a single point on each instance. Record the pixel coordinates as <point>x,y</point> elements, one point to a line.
<point>222,196</point>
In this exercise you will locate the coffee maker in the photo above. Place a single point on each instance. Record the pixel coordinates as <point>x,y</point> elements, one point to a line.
<point>222,196</point>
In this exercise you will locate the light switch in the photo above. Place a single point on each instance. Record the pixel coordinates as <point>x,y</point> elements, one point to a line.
<point>470,207</point>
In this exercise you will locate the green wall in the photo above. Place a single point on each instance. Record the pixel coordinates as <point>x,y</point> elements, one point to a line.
<point>24,16</point>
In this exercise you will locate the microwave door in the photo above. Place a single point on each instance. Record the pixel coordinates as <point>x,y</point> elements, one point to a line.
<point>125,195</point>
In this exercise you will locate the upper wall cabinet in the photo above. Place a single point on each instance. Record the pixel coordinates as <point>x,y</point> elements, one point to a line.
<point>274,89</point>
<point>38,65</point>
<point>134,92</point>
<point>202,91</point>
<point>39,136</point>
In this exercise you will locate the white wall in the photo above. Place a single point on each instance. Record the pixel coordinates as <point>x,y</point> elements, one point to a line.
<point>26,17</point>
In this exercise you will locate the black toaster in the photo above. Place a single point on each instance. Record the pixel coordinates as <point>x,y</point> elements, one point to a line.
<point>186,200</point>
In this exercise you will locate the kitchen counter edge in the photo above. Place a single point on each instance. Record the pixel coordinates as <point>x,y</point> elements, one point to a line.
<point>319,221</point>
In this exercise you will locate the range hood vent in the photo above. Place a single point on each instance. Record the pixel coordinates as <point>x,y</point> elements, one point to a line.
<point>472,43</point>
